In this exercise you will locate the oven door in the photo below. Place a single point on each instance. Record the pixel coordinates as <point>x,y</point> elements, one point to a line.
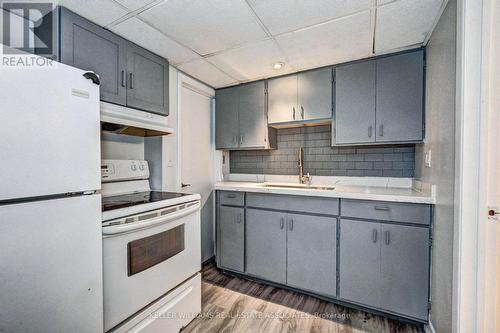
<point>147,255</point>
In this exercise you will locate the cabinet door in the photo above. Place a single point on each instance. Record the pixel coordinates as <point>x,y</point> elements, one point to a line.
<point>311,253</point>
<point>231,238</point>
<point>315,94</point>
<point>252,121</point>
<point>354,120</point>
<point>87,46</point>
<point>400,97</point>
<point>147,87</point>
<point>359,265</point>
<point>282,99</point>
<point>266,245</point>
<point>226,118</point>
<point>405,270</point>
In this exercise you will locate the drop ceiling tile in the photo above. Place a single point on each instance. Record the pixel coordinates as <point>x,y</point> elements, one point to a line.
<point>208,73</point>
<point>148,37</point>
<point>281,16</point>
<point>404,23</point>
<point>251,62</point>
<point>135,4</point>
<point>206,26</point>
<point>341,40</point>
<point>101,12</point>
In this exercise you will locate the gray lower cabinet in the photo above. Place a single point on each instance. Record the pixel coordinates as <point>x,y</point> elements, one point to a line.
<point>311,253</point>
<point>359,262</point>
<point>147,80</point>
<point>266,245</point>
<point>391,266</point>
<point>231,238</point>
<point>405,270</point>
<point>86,45</point>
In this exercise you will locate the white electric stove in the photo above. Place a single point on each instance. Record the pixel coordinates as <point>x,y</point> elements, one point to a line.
<point>151,252</point>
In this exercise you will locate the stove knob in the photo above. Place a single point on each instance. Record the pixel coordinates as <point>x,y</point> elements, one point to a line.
<point>133,167</point>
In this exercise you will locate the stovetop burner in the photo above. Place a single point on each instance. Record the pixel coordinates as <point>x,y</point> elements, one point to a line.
<point>134,199</point>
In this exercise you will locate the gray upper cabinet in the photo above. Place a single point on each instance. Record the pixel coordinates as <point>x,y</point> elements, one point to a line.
<point>315,94</point>
<point>231,238</point>
<point>147,80</point>
<point>226,118</point>
<point>359,262</point>
<point>266,245</point>
<point>405,270</point>
<point>130,75</point>
<point>311,253</point>
<point>302,98</point>
<point>240,118</point>
<point>354,120</point>
<point>400,97</point>
<point>380,101</point>
<point>86,45</point>
<point>282,99</point>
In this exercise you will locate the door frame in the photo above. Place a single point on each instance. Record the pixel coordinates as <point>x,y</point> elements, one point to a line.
<point>473,294</point>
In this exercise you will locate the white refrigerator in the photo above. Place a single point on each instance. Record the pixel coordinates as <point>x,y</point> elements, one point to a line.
<point>50,203</point>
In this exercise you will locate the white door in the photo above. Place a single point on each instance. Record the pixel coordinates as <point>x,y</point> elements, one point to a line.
<point>197,155</point>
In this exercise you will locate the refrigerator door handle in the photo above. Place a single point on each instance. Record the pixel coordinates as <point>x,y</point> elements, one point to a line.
<point>92,76</point>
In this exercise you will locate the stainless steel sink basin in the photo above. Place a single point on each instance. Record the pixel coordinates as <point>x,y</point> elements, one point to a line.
<point>300,186</point>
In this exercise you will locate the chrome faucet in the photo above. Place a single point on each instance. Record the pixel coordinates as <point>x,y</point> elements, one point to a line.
<point>307,179</point>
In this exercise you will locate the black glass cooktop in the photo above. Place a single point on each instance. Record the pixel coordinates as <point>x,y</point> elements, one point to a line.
<point>133,199</point>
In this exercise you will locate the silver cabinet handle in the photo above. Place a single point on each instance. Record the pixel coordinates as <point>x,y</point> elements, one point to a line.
<point>131,77</point>
<point>370,131</point>
<point>282,223</point>
<point>381,130</point>
<point>185,185</point>
<point>293,112</point>
<point>241,139</point>
<point>291,224</point>
<point>374,235</point>
<point>231,196</point>
<point>387,238</point>
<point>384,208</point>
<point>302,112</point>
<point>239,219</point>
<point>123,79</point>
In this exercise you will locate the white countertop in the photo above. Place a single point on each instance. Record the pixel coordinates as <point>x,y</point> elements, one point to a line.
<point>341,191</point>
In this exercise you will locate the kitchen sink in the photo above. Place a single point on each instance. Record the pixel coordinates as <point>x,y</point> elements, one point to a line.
<point>299,186</point>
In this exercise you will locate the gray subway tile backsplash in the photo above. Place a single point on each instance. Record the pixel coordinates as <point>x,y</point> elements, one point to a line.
<point>320,159</point>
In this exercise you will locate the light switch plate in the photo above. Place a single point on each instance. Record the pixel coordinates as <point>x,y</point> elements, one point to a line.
<point>428,158</point>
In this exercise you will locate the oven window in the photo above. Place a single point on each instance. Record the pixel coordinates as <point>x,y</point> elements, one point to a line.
<point>149,251</point>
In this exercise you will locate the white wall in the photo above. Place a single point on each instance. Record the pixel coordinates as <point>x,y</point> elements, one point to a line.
<point>440,139</point>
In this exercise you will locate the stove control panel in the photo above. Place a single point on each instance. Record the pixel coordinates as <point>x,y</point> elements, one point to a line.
<point>122,170</point>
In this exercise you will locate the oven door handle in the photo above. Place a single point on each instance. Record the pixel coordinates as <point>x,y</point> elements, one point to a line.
<point>133,226</point>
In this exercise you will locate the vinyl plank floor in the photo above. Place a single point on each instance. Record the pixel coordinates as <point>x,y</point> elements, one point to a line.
<point>236,305</point>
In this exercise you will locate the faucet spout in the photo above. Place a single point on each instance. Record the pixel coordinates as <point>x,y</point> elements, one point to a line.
<point>303,179</point>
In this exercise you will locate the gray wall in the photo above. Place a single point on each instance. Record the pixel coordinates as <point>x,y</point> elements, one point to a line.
<point>322,160</point>
<point>440,133</point>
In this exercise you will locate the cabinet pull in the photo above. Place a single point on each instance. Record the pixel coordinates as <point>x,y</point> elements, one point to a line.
<point>302,112</point>
<point>387,238</point>
<point>381,130</point>
<point>231,196</point>
<point>384,208</point>
<point>370,131</point>
<point>241,139</point>
<point>282,223</point>
<point>239,219</point>
<point>123,79</point>
<point>131,78</point>
<point>374,235</point>
<point>291,224</point>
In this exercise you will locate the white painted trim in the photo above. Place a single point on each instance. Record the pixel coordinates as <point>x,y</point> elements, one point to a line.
<point>429,328</point>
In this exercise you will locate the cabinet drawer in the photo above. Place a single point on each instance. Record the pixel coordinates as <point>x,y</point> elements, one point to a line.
<point>388,211</point>
<point>295,203</point>
<point>232,198</point>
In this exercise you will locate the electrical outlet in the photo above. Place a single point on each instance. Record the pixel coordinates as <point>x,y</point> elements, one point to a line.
<point>428,159</point>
